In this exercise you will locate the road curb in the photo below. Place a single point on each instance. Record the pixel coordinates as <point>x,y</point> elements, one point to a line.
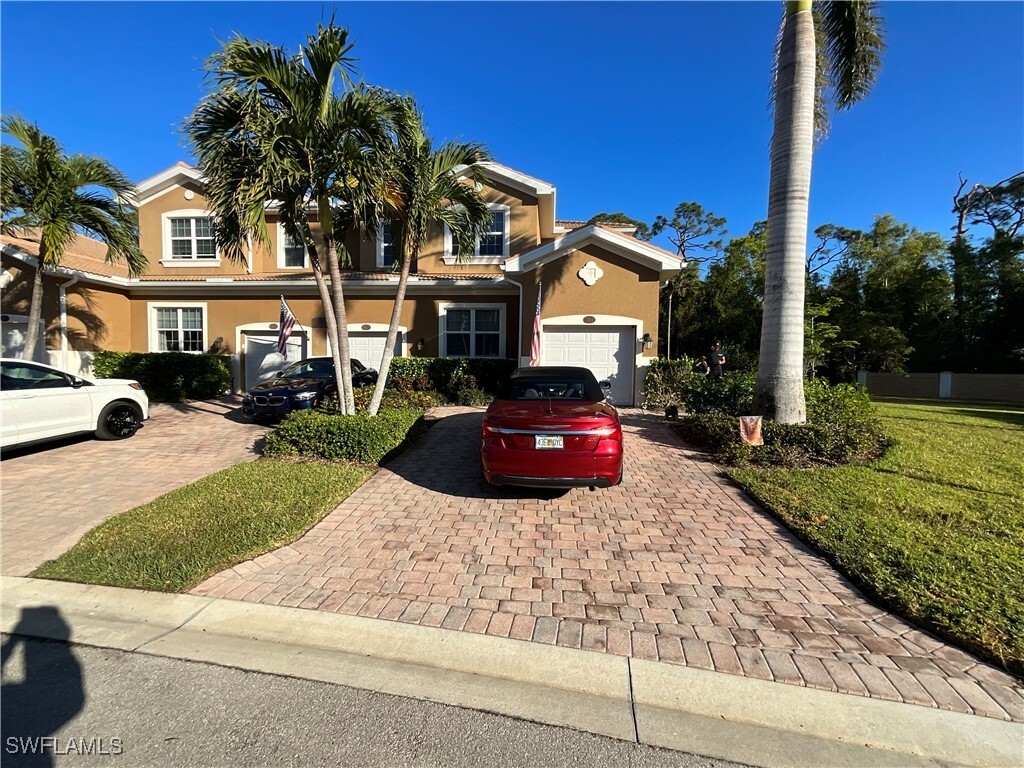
<point>709,713</point>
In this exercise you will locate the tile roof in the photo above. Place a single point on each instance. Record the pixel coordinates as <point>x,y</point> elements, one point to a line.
<point>307,275</point>
<point>83,255</point>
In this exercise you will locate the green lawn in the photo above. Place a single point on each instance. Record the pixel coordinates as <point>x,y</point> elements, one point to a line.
<point>177,540</point>
<point>935,529</point>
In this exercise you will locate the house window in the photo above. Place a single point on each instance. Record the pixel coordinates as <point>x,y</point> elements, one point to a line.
<point>179,329</point>
<point>493,245</point>
<point>293,253</point>
<point>473,330</point>
<point>385,246</point>
<point>192,238</point>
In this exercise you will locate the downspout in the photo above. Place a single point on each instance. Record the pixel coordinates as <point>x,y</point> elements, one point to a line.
<point>64,320</point>
<point>519,333</point>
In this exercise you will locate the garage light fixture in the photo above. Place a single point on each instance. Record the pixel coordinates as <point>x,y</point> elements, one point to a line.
<point>419,345</point>
<point>648,341</point>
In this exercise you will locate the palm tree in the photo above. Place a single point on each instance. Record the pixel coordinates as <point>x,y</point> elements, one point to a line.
<point>55,196</point>
<point>422,192</point>
<point>292,130</point>
<point>837,45</point>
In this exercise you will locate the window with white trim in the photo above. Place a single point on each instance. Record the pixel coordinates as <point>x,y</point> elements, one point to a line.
<point>293,252</point>
<point>473,330</point>
<point>385,245</point>
<point>192,238</point>
<point>493,244</point>
<point>179,329</point>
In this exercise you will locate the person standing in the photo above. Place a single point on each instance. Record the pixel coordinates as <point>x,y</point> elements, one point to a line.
<point>714,361</point>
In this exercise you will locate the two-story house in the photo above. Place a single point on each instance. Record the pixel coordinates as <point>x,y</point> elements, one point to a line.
<point>599,304</point>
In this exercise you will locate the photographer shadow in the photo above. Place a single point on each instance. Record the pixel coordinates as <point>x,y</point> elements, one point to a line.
<point>50,694</point>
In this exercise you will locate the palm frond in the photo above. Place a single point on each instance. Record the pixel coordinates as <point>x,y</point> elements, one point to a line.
<point>854,43</point>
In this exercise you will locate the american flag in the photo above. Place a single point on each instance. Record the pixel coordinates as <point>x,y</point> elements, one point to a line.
<point>535,346</point>
<point>286,325</point>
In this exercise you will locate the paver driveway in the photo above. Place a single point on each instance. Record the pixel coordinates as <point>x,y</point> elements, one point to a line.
<point>54,493</point>
<point>674,565</point>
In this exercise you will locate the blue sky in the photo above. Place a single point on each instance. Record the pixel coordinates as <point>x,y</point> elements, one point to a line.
<point>631,107</point>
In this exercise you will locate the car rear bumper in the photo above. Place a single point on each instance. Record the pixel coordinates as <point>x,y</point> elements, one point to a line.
<point>543,469</point>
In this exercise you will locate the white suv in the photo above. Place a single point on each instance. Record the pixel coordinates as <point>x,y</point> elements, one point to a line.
<point>39,402</point>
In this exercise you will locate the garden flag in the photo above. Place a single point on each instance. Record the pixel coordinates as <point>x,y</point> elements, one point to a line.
<point>285,328</point>
<point>535,346</point>
<point>750,430</point>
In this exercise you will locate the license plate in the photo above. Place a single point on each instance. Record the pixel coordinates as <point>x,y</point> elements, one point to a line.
<point>547,441</point>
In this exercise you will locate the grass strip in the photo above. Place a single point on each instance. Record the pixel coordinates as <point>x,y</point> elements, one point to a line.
<point>174,542</point>
<point>934,530</point>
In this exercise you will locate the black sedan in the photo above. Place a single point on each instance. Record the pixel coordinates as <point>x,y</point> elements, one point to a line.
<point>300,386</point>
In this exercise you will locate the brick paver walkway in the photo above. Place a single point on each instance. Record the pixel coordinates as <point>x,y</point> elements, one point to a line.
<point>674,565</point>
<point>54,493</point>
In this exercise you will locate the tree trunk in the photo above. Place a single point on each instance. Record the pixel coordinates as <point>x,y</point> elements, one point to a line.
<point>35,313</point>
<point>330,323</point>
<point>780,392</point>
<point>396,319</point>
<point>345,394</point>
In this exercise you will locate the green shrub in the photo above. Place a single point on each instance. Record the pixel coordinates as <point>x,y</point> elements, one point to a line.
<point>393,398</point>
<point>359,438</point>
<point>666,380</point>
<point>732,394</point>
<point>473,396</point>
<point>168,376</point>
<point>449,376</point>
<point>841,428</point>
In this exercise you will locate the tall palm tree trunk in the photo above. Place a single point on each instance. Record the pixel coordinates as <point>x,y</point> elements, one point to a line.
<point>780,393</point>
<point>389,344</point>
<point>35,314</point>
<point>345,395</point>
<point>331,326</point>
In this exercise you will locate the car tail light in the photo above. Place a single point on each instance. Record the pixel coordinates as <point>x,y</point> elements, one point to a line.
<point>490,429</point>
<point>135,385</point>
<point>611,432</point>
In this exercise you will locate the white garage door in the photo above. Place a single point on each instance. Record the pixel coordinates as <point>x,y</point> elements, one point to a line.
<point>368,346</point>
<point>606,350</point>
<point>262,360</point>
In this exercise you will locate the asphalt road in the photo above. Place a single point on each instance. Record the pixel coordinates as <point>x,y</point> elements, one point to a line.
<point>163,712</point>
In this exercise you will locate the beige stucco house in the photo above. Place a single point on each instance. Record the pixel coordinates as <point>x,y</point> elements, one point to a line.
<point>599,304</point>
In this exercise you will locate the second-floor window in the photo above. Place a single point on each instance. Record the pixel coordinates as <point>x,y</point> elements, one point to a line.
<point>385,246</point>
<point>192,238</point>
<point>294,252</point>
<point>493,242</point>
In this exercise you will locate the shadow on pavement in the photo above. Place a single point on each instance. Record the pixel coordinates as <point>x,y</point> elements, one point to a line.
<point>50,695</point>
<point>447,460</point>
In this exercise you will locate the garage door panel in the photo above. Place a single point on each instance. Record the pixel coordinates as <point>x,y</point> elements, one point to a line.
<point>262,360</point>
<point>608,352</point>
<point>368,346</point>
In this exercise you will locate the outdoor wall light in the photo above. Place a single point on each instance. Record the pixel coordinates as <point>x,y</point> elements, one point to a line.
<point>648,341</point>
<point>419,345</point>
<point>217,344</point>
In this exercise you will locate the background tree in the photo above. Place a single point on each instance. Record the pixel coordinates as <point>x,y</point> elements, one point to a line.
<point>643,232</point>
<point>696,235</point>
<point>52,197</point>
<point>844,64</point>
<point>291,128</point>
<point>421,192</point>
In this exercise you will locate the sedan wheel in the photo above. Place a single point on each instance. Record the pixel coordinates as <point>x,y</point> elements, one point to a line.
<point>119,421</point>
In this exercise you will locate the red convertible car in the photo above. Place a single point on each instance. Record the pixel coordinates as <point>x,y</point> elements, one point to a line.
<point>552,428</point>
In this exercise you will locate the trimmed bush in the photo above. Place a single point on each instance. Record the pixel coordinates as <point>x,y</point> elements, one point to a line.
<point>666,380</point>
<point>393,398</point>
<point>473,396</point>
<point>732,394</point>
<point>168,377</point>
<point>841,428</point>
<point>360,438</point>
<point>450,376</point>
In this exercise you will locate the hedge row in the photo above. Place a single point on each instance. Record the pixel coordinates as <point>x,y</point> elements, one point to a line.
<point>451,378</point>
<point>359,438</point>
<point>168,376</point>
<point>841,428</point>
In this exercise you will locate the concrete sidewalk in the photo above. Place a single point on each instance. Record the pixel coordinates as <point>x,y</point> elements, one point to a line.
<point>703,712</point>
